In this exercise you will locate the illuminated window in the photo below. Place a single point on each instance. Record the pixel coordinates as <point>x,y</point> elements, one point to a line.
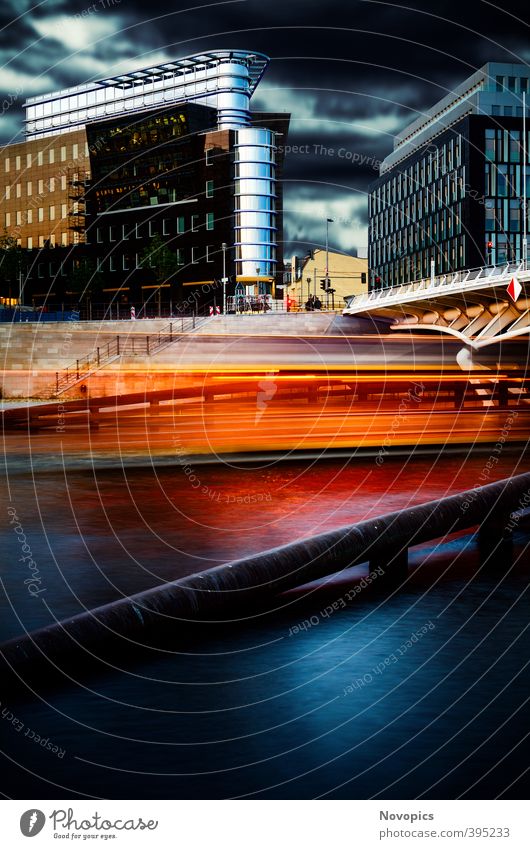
<point>51,156</point>
<point>7,219</point>
<point>194,223</point>
<point>64,239</point>
<point>209,220</point>
<point>63,153</point>
<point>17,163</point>
<point>40,213</point>
<point>41,186</point>
<point>63,210</point>
<point>28,188</point>
<point>28,160</point>
<point>6,164</point>
<point>30,243</point>
<point>52,213</point>
<point>18,190</point>
<point>75,151</point>
<point>29,216</point>
<point>40,157</point>
<point>63,183</point>
<point>181,224</point>
<point>8,192</point>
<point>209,188</point>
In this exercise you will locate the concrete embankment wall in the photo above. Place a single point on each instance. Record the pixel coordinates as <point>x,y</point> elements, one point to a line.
<point>31,354</point>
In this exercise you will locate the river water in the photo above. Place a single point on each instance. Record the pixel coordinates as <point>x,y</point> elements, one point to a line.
<point>419,692</point>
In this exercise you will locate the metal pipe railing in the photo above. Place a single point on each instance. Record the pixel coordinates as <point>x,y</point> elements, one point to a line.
<point>208,596</point>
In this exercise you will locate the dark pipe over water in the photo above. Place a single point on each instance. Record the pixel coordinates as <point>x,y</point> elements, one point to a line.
<point>125,625</point>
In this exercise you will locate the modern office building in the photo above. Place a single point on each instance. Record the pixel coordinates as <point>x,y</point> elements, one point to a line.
<point>451,191</point>
<point>173,152</point>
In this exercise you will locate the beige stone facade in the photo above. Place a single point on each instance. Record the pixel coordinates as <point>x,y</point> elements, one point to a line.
<point>39,183</point>
<point>345,273</point>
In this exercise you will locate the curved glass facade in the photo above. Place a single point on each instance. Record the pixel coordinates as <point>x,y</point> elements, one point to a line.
<point>255,214</point>
<point>223,79</point>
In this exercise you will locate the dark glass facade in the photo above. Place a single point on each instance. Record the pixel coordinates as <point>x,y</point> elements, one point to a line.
<point>457,201</point>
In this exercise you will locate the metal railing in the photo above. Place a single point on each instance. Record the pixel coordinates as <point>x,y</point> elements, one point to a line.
<point>134,343</point>
<point>485,275</point>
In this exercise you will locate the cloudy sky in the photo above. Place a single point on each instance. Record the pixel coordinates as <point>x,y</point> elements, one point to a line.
<point>351,72</point>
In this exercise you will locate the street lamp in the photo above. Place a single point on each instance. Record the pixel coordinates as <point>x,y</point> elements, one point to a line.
<point>328,222</point>
<point>225,279</point>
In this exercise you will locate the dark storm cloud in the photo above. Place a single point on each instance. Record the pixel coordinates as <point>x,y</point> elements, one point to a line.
<point>352,75</point>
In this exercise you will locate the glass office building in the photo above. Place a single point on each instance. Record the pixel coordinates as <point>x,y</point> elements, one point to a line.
<point>451,192</point>
<point>172,151</point>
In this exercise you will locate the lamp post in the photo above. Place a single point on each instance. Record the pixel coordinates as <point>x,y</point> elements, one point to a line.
<point>225,281</point>
<point>328,222</point>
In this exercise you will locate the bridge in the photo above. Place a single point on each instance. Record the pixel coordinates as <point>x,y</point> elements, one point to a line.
<point>478,306</point>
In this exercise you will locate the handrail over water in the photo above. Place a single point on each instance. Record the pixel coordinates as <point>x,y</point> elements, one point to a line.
<point>141,620</point>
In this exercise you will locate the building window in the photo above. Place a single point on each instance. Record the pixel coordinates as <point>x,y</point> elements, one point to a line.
<point>64,239</point>
<point>63,210</point>
<point>500,83</point>
<point>124,233</point>
<point>18,191</point>
<point>29,216</point>
<point>17,163</point>
<point>30,243</point>
<point>41,241</point>
<point>6,164</point>
<point>8,219</point>
<point>98,235</point>
<point>209,155</point>
<point>125,262</point>
<point>52,213</point>
<point>41,186</point>
<point>19,217</point>
<point>75,151</point>
<point>51,156</point>
<point>63,153</point>
<point>138,233</point>
<point>152,229</point>
<point>51,184</point>
<point>194,223</point>
<point>165,227</point>
<point>209,220</point>
<point>40,158</point>
<point>209,188</point>
<point>63,183</point>
<point>194,255</point>
<point>179,253</point>
<point>209,253</point>
<point>52,240</point>
<point>28,160</point>
<point>8,193</point>
<point>40,213</point>
<point>112,234</point>
<point>112,263</point>
<point>181,224</point>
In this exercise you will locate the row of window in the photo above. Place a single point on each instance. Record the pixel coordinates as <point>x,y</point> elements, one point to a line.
<point>506,83</point>
<point>40,156</point>
<point>136,231</point>
<point>437,163</point>
<point>130,262</point>
<point>444,192</point>
<point>41,187</point>
<point>52,241</point>
<point>448,255</point>
<point>22,217</point>
<point>505,180</point>
<point>505,146</point>
<point>443,225</point>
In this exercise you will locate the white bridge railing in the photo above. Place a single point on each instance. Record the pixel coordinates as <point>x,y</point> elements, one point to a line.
<point>458,280</point>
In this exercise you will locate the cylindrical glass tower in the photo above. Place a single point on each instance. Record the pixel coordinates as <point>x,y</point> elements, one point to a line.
<point>255,204</point>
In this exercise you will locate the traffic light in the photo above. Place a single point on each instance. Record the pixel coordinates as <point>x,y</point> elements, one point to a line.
<point>323,284</point>
<point>490,245</point>
<point>363,278</point>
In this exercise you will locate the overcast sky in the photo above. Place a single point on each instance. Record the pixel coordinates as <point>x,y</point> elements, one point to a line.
<point>352,73</point>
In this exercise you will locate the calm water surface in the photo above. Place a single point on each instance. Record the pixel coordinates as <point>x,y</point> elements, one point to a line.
<point>258,710</point>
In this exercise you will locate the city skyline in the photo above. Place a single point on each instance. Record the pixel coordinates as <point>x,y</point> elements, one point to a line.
<point>348,94</point>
